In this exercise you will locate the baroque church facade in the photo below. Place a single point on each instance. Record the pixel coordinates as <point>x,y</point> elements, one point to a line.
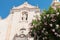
<point>17,25</point>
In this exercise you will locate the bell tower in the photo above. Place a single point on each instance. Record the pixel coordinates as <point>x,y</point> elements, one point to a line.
<point>55,4</point>
<point>55,0</point>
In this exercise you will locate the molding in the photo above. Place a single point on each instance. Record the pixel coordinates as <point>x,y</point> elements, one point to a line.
<point>25,8</point>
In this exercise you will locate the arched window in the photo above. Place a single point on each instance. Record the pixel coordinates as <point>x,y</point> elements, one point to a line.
<point>24,15</point>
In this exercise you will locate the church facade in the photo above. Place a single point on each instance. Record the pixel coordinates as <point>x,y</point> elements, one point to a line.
<point>17,25</point>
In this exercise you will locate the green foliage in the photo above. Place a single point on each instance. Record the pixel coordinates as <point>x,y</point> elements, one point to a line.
<point>58,10</point>
<point>51,11</point>
<point>34,22</point>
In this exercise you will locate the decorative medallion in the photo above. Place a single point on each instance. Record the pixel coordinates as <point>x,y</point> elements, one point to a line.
<point>20,37</point>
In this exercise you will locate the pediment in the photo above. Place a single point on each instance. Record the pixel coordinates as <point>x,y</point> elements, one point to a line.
<point>24,5</point>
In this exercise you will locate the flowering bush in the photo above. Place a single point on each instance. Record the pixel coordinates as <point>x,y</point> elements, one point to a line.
<point>48,28</point>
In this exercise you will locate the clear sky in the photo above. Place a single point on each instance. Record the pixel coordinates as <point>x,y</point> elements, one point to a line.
<point>6,5</point>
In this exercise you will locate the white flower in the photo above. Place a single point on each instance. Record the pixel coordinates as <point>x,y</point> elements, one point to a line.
<point>59,35</point>
<point>57,13</point>
<point>42,31</point>
<point>53,20</point>
<point>43,28</point>
<point>45,37</point>
<point>52,15</point>
<point>55,33</point>
<point>44,17</point>
<point>53,30</point>
<point>57,26</point>
<point>50,25</point>
<point>48,15</point>
<point>46,32</point>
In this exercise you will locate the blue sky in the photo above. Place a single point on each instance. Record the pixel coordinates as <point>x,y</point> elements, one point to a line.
<point>6,5</point>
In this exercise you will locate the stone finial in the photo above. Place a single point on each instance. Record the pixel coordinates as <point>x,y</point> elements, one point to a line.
<point>37,6</point>
<point>26,3</point>
<point>13,6</point>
